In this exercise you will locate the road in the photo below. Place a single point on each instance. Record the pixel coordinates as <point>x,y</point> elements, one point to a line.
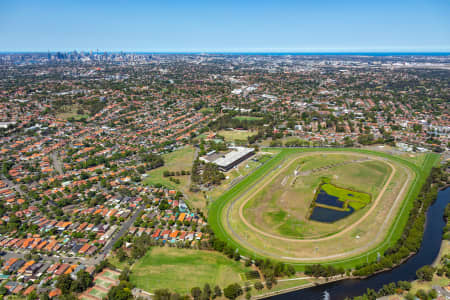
<point>82,260</point>
<point>57,163</point>
<point>123,230</point>
<point>12,185</point>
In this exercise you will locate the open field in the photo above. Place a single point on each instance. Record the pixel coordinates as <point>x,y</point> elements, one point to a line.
<point>178,160</point>
<point>347,247</point>
<point>232,135</point>
<point>182,159</point>
<point>182,269</point>
<point>71,111</point>
<point>247,118</point>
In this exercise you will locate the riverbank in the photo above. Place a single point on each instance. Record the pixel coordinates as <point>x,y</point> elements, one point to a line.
<point>444,250</point>
<point>282,291</point>
<point>440,281</point>
<point>427,254</point>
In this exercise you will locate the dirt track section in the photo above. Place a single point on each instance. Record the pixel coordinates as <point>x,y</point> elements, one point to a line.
<point>247,196</point>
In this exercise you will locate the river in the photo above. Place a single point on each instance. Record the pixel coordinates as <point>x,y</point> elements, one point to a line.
<point>426,255</point>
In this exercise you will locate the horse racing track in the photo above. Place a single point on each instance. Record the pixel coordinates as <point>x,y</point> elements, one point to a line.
<point>332,206</point>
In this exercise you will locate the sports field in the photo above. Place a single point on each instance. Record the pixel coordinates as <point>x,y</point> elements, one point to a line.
<point>98,293</point>
<point>103,283</point>
<point>247,118</point>
<point>266,215</point>
<point>183,269</point>
<point>232,135</point>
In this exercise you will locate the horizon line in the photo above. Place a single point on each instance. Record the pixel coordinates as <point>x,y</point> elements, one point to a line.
<point>316,52</point>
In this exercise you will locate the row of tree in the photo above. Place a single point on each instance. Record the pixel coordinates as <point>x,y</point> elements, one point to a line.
<point>318,270</point>
<point>123,290</point>
<point>168,173</point>
<point>411,239</point>
<point>387,289</point>
<point>206,173</point>
<point>153,160</point>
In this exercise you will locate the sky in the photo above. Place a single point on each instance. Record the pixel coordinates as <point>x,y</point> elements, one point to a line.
<point>225,26</point>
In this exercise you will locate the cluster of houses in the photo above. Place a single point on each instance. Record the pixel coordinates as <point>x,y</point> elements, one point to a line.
<point>175,224</point>
<point>66,245</point>
<point>73,161</point>
<point>167,235</point>
<point>19,275</point>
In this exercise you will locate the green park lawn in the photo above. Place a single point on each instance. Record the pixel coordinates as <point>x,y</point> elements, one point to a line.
<point>182,269</point>
<point>247,118</point>
<point>232,135</point>
<point>179,160</point>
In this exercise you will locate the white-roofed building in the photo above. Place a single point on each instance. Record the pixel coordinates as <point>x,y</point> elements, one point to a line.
<point>228,160</point>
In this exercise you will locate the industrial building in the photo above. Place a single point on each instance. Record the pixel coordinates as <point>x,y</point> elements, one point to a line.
<point>226,161</point>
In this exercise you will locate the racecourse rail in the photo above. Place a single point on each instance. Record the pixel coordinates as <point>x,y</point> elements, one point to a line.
<point>250,181</point>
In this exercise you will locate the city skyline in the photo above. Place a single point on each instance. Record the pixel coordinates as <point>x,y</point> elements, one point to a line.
<point>263,26</point>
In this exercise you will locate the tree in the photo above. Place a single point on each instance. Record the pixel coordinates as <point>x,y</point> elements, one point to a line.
<point>237,256</point>
<point>410,296</point>
<point>125,274</point>
<point>44,297</point>
<point>404,285</point>
<point>67,297</point>
<point>3,290</point>
<point>196,293</point>
<point>84,279</point>
<point>64,283</point>
<point>425,273</point>
<point>233,291</point>
<point>121,255</point>
<point>217,291</point>
<point>32,296</point>
<point>120,292</point>
<point>421,294</point>
<point>432,294</point>
<point>162,294</point>
<point>290,270</point>
<point>258,285</point>
<point>207,291</point>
